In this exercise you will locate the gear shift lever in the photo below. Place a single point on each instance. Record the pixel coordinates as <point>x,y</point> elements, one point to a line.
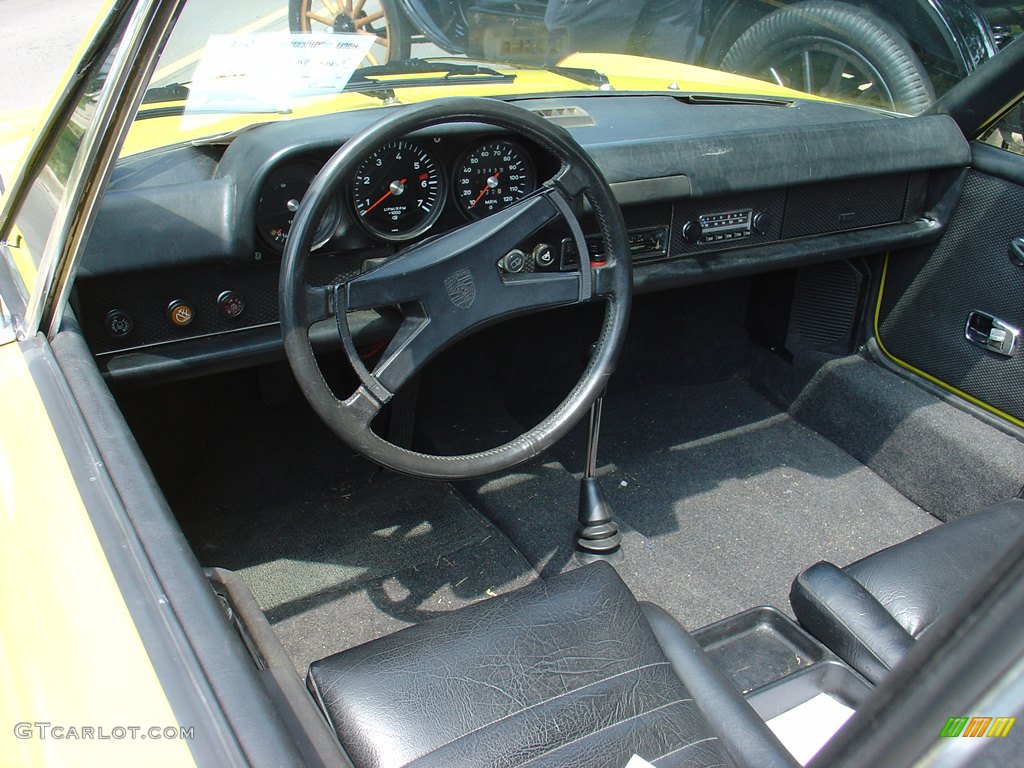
<point>597,537</point>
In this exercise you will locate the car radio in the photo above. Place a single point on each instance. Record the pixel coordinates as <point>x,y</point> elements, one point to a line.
<point>726,225</point>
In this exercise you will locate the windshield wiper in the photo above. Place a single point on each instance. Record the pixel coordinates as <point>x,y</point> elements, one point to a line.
<point>364,79</point>
<point>717,98</point>
<point>581,75</point>
<point>161,94</point>
<point>406,73</point>
<point>169,92</point>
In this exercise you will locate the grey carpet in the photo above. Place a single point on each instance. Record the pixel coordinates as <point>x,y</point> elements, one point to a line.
<point>936,454</point>
<point>723,498</point>
<point>336,550</point>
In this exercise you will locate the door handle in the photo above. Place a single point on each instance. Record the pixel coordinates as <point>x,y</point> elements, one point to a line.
<point>993,334</point>
<point>1017,251</point>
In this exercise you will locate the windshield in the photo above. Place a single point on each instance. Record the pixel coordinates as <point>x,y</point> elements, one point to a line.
<point>233,63</point>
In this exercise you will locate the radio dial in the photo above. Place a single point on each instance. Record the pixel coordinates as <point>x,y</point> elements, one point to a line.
<point>692,232</point>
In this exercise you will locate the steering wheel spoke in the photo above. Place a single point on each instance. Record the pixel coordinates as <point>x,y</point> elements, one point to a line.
<point>363,407</point>
<point>429,271</point>
<point>570,181</point>
<point>434,326</point>
<point>317,304</point>
<point>415,342</point>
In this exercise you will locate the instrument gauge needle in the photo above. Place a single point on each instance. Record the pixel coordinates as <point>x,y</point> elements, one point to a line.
<point>395,188</point>
<point>492,182</point>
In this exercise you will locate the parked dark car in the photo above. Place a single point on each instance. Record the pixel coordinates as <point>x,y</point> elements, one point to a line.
<point>894,55</point>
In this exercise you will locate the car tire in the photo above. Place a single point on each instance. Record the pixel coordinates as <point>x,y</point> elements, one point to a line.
<point>395,25</point>
<point>863,57</point>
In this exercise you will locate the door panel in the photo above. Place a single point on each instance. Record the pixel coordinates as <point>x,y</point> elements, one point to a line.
<point>928,294</point>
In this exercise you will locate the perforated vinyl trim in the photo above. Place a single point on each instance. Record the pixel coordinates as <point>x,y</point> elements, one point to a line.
<point>927,294</point>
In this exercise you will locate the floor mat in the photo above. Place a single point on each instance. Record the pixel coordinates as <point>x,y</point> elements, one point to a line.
<point>723,499</point>
<point>336,550</point>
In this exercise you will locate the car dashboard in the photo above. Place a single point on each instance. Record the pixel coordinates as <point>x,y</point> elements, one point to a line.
<point>180,274</point>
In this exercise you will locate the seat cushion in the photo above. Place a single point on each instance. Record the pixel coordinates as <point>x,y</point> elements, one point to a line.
<point>564,672</point>
<point>871,611</point>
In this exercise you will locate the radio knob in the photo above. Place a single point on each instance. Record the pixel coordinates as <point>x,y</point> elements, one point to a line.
<point>692,232</point>
<point>762,222</point>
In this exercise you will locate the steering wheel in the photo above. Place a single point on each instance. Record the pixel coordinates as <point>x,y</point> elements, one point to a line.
<point>451,285</point>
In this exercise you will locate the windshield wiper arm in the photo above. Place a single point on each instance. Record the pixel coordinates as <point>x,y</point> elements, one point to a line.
<point>422,67</point>
<point>582,75</point>
<point>718,98</point>
<point>161,94</point>
<point>169,92</point>
<point>364,79</point>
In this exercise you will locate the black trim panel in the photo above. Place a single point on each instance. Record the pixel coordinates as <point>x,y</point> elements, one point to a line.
<point>691,270</point>
<point>997,162</point>
<point>203,357</point>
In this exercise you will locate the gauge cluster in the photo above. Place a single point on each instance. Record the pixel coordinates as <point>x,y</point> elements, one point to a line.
<point>281,194</point>
<point>398,191</point>
<point>406,189</point>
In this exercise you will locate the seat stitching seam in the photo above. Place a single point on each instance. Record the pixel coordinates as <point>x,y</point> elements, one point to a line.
<point>605,728</point>
<point>685,746</point>
<point>542,703</point>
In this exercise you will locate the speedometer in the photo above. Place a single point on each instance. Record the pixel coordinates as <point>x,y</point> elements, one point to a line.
<point>398,191</point>
<point>492,176</point>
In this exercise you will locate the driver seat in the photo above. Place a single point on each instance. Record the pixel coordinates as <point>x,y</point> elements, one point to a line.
<point>569,671</point>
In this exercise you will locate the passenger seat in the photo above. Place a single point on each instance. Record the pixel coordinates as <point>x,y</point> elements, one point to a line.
<point>871,612</point>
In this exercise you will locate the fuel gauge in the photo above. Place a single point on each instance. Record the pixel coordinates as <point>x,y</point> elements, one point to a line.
<point>279,200</point>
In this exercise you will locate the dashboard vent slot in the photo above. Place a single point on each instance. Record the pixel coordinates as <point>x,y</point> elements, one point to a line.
<point>567,117</point>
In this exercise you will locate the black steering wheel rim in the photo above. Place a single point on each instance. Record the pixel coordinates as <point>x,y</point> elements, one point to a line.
<point>301,304</point>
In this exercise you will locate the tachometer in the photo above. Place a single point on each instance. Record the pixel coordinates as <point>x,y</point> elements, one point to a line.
<point>398,191</point>
<point>492,176</point>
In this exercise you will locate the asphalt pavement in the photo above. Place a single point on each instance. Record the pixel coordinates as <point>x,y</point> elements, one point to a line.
<point>40,40</point>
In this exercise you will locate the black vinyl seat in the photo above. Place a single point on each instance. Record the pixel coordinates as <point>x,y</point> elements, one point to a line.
<point>871,612</point>
<point>569,671</point>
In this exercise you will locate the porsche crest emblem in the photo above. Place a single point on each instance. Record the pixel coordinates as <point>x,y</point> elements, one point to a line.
<point>461,288</point>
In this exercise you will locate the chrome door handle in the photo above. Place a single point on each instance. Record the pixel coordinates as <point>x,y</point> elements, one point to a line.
<point>992,333</point>
<point>1017,251</point>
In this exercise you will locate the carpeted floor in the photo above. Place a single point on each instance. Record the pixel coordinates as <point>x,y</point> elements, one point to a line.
<point>723,498</point>
<point>336,550</point>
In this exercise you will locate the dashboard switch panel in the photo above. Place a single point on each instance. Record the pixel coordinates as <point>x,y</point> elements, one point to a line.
<point>119,323</point>
<point>231,304</point>
<point>180,314</point>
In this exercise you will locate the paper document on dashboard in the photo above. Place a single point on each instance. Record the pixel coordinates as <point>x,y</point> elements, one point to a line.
<point>267,73</point>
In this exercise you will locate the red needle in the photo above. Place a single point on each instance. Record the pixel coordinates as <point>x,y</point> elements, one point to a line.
<point>482,191</point>
<point>382,198</point>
